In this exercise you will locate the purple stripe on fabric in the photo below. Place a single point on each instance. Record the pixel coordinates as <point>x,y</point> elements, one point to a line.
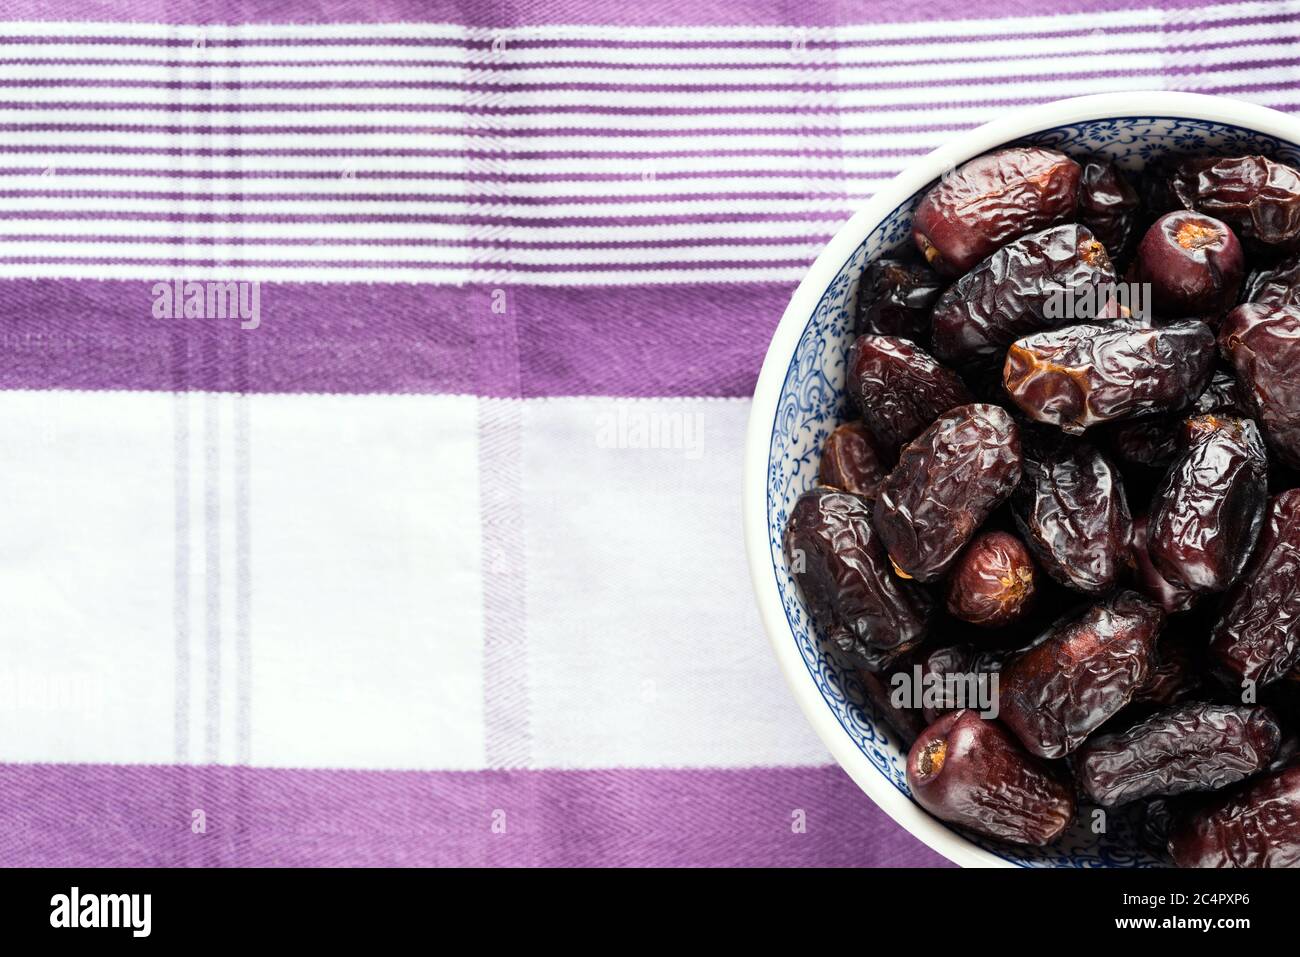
<point>781,59</point>
<point>819,236</point>
<point>475,176</point>
<point>165,263</point>
<point>563,83</point>
<point>133,816</point>
<point>506,13</point>
<point>689,340</point>
<point>833,216</point>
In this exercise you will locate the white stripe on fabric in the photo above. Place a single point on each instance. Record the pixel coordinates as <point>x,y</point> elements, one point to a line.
<point>644,646</point>
<point>365,625</point>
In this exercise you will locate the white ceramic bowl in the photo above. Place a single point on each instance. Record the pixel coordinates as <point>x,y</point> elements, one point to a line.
<point>799,399</point>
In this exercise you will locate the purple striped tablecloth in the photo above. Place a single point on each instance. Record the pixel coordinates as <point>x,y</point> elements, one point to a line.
<point>431,555</point>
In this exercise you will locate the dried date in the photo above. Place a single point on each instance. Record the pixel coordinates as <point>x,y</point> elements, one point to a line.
<point>1193,262</point>
<point>1071,510</point>
<point>1109,206</point>
<point>850,462</point>
<point>1256,826</point>
<point>1256,196</point>
<point>992,582</point>
<point>1192,747</point>
<point>971,772</point>
<point>992,199</point>
<point>1207,513</point>
<point>869,615</point>
<point>946,483</point>
<point>1081,376</point>
<point>1020,289</point>
<point>1257,636</point>
<point>899,389</point>
<point>895,297</point>
<point>1275,285</point>
<point>1079,674</point>
<point>1263,345</point>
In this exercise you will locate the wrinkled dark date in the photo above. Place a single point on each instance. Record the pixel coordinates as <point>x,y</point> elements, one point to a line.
<point>1071,510</point>
<point>992,582</point>
<point>1081,376</point>
<point>895,297</point>
<point>1257,197</point>
<point>953,668</point>
<point>1275,285</point>
<point>1108,205</point>
<point>1172,598</point>
<point>850,462</point>
<point>1079,674</point>
<point>868,613</point>
<point>1008,296</point>
<point>900,389</point>
<point>1256,826</point>
<point>1263,345</point>
<point>1257,636</point>
<point>1154,440</point>
<point>971,772</point>
<point>1207,513</point>
<point>990,200</point>
<point>1193,262</point>
<point>946,483</point>
<point>1192,747</point>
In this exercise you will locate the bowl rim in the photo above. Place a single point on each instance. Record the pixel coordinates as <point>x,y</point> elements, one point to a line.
<point>964,146</point>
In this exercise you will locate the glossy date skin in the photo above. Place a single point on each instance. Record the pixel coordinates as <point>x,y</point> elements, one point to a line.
<point>895,297</point>
<point>971,772</point>
<point>1208,511</point>
<point>1170,597</point>
<point>1007,296</point>
<point>1071,511</point>
<point>1262,344</point>
<point>870,616</point>
<point>1275,285</point>
<point>1079,674</point>
<point>1256,826</point>
<point>946,483</point>
<point>1257,197</point>
<point>850,462</point>
<point>992,582</point>
<point>899,389</point>
<point>1191,747</point>
<point>1193,262</point>
<point>1257,635</point>
<point>1109,205</point>
<point>1084,375</point>
<point>990,200</point>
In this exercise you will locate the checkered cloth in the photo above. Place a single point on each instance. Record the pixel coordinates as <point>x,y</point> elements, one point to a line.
<point>372,391</point>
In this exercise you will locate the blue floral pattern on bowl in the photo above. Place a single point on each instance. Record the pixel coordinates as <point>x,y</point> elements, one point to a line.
<point>812,402</point>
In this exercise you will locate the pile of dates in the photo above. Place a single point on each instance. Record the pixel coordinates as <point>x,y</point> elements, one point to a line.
<point>1074,416</point>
